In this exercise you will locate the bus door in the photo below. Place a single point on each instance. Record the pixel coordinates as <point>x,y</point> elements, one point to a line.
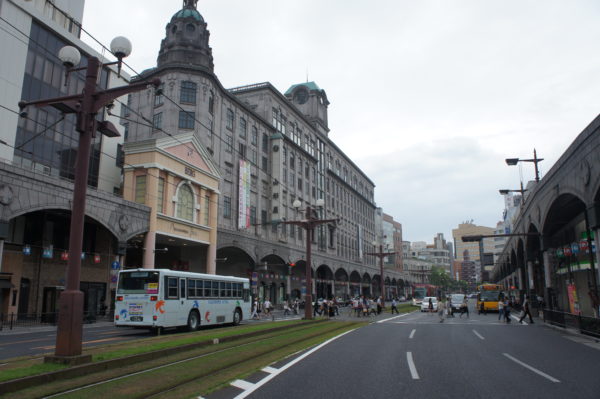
<point>174,308</point>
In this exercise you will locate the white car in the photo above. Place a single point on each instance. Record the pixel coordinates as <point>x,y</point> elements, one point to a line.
<point>425,304</point>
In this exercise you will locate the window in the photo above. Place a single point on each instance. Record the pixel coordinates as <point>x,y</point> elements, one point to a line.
<point>253,156</point>
<point>279,121</point>
<point>265,164</point>
<point>263,217</point>
<point>227,207</point>
<point>158,96</point>
<point>265,142</point>
<point>284,156</point>
<point>228,143</point>
<point>120,156</point>
<point>157,121</point>
<point>188,92</point>
<point>243,128</point>
<point>242,150</point>
<point>125,131</point>
<point>185,203</point>
<point>230,119</point>
<point>172,288</point>
<point>215,289</point>
<point>211,103</point>
<point>292,161</point>
<point>161,194</point>
<point>140,189</point>
<point>191,286</point>
<point>186,120</point>
<point>127,109</point>
<point>206,209</point>
<point>252,215</point>
<point>254,136</point>
<point>300,184</point>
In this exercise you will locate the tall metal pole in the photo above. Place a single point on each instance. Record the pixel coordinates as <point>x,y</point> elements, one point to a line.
<point>382,285</point>
<point>308,311</point>
<point>70,316</point>
<point>535,162</point>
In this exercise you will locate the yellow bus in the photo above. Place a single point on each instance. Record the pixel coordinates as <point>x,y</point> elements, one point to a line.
<point>488,295</point>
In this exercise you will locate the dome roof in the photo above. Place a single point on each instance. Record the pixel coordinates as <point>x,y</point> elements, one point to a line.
<point>187,13</point>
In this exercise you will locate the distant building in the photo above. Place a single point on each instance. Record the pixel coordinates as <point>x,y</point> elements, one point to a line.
<point>470,251</point>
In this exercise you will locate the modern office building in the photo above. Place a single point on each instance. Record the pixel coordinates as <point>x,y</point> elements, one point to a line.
<point>471,251</point>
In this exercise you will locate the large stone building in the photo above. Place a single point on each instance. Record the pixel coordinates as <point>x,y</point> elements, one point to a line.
<point>471,251</point>
<point>270,149</point>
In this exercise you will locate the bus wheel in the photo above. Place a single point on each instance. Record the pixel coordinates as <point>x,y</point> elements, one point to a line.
<point>237,317</point>
<point>193,321</point>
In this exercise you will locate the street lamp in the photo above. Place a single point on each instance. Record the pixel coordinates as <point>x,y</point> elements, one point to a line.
<point>521,190</point>
<point>309,225</point>
<point>535,160</point>
<point>381,255</point>
<point>85,106</point>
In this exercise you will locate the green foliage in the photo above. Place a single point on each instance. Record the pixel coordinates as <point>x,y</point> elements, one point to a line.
<point>440,278</point>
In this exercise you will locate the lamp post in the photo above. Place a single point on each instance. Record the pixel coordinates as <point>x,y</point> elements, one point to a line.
<point>85,106</point>
<point>309,225</point>
<point>521,190</point>
<point>381,255</point>
<point>535,160</point>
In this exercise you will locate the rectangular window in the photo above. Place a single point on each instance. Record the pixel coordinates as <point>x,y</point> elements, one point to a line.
<point>228,143</point>
<point>227,207</point>
<point>206,209</point>
<point>242,150</point>
<point>161,194</point>
<point>263,217</point>
<point>125,131</point>
<point>120,156</point>
<point>265,164</point>
<point>211,103</point>
<point>254,136</point>
<point>188,93</point>
<point>186,120</point>
<point>191,286</point>
<point>215,289</point>
<point>265,143</point>
<point>157,121</point>
<point>158,96</point>
<point>253,157</point>
<point>172,288</point>
<point>207,289</point>
<point>230,119</point>
<point>243,128</point>
<point>140,189</point>
<point>253,215</point>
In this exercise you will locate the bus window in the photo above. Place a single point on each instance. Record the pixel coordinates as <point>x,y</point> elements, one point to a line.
<point>228,292</point>
<point>223,290</point>
<point>182,287</point>
<point>172,288</point>
<point>215,289</point>
<point>207,287</point>
<point>238,290</point>
<point>191,288</point>
<point>138,283</point>
<point>246,295</point>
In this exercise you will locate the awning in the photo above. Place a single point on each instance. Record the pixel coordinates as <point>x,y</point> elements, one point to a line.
<point>6,284</point>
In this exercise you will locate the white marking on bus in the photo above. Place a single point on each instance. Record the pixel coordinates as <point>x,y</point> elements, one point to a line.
<point>531,368</point>
<point>411,366</point>
<point>290,364</point>
<point>392,318</point>
<point>478,335</point>
<point>412,334</point>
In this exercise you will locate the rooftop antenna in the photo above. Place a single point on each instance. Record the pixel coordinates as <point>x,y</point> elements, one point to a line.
<point>306,74</point>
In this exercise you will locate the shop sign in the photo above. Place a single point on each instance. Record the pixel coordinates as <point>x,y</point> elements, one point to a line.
<point>64,255</point>
<point>26,250</point>
<point>48,253</point>
<point>575,248</point>
<point>96,258</point>
<point>583,245</point>
<point>559,252</point>
<point>567,251</point>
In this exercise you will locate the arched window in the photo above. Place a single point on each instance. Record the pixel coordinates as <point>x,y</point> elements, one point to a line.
<point>185,203</point>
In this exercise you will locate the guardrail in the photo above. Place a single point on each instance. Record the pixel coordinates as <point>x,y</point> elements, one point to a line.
<point>14,320</point>
<point>586,325</point>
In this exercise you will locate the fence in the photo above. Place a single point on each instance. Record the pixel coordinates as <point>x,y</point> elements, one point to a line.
<point>585,325</point>
<point>14,320</point>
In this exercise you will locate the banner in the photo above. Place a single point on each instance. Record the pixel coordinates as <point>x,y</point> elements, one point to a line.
<point>244,195</point>
<point>573,301</point>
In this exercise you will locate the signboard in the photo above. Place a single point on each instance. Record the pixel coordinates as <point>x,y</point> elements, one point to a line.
<point>48,252</point>
<point>573,301</point>
<point>115,265</point>
<point>244,182</point>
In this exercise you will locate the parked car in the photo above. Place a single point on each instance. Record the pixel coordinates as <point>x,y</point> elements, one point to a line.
<point>456,301</point>
<point>402,298</point>
<point>425,304</point>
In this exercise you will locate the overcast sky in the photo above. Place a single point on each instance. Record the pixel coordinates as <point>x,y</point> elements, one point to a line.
<point>427,97</point>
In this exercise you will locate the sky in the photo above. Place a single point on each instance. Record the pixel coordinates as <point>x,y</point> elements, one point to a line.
<point>427,98</point>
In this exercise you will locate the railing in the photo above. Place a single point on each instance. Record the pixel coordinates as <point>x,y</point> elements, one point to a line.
<point>585,325</point>
<point>16,320</point>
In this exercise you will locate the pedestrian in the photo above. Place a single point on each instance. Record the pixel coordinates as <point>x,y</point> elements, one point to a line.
<point>286,308</point>
<point>267,307</point>
<point>464,307</point>
<point>500,308</point>
<point>507,307</point>
<point>379,308</point>
<point>526,311</point>
<point>430,306</point>
<point>441,309</point>
<point>394,304</point>
<point>295,306</point>
<point>482,308</point>
<point>255,311</point>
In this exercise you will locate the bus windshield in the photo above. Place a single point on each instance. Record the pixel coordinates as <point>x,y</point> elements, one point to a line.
<point>419,293</point>
<point>490,296</point>
<point>138,283</point>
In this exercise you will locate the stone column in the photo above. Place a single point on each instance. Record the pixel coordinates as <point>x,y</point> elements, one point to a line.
<point>211,256</point>
<point>151,201</point>
<point>530,275</point>
<point>520,275</point>
<point>547,277</point>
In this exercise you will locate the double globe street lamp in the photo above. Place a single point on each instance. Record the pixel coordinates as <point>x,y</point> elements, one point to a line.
<point>86,107</point>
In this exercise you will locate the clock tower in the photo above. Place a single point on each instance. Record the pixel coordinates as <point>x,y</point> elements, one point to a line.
<point>312,101</point>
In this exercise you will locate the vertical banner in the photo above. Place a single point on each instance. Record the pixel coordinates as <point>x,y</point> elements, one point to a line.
<point>244,195</point>
<point>573,302</point>
<point>360,241</point>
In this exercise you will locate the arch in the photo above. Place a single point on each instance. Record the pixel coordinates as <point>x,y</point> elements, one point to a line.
<point>564,210</point>
<point>273,271</point>
<point>324,282</point>
<point>234,261</point>
<point>185,206</point>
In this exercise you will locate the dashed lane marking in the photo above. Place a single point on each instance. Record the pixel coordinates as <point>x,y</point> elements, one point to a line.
<point>245,385</point>
<point>270,370</point>
<point>531,368</point>
<point>412,334</point>
<point>393,318</point>
<point>478,335</point>
<point>411,366</point>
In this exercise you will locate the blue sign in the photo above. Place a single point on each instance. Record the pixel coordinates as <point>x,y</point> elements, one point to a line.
<point>47,253</point>
<point>26,250</point>
<point>116,265</point>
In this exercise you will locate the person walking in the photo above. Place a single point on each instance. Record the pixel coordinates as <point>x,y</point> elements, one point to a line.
<point>464,308</point>
<point>507,307</point>
<point>286,308</point>
<point>430,306</point>
<point>267,307</point>
<point>255,311</point>
<point>394,304</point>
<point>379,308</point>
<point>526,311</point>
<point>500,309</point>
<point>441,309</point>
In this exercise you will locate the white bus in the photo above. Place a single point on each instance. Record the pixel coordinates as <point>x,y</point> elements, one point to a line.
<point>157,298</point>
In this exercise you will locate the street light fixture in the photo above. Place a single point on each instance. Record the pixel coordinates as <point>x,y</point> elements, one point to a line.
<point>85,106</point>
<point>535,160</point>
<point>381,255</point>
<point>521,190</point>
<point>309,225</point>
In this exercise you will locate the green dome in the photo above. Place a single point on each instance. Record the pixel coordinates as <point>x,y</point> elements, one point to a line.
<point>187,13</point>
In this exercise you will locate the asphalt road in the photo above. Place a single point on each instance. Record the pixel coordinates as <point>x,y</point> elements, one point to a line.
<point>416,356</point>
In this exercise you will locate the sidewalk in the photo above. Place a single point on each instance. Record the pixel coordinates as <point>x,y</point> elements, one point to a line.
<point>47,328</point>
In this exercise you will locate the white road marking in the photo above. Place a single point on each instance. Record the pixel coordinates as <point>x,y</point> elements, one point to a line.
<point>242,384</point>
<point>517,319</point>
<point>478,335</point>
<point>392,318</point>
<point>531,368</point>
<point>269,370</point>
<point>411,366</point>
<point>412,334</point>
<point>290,364</point>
